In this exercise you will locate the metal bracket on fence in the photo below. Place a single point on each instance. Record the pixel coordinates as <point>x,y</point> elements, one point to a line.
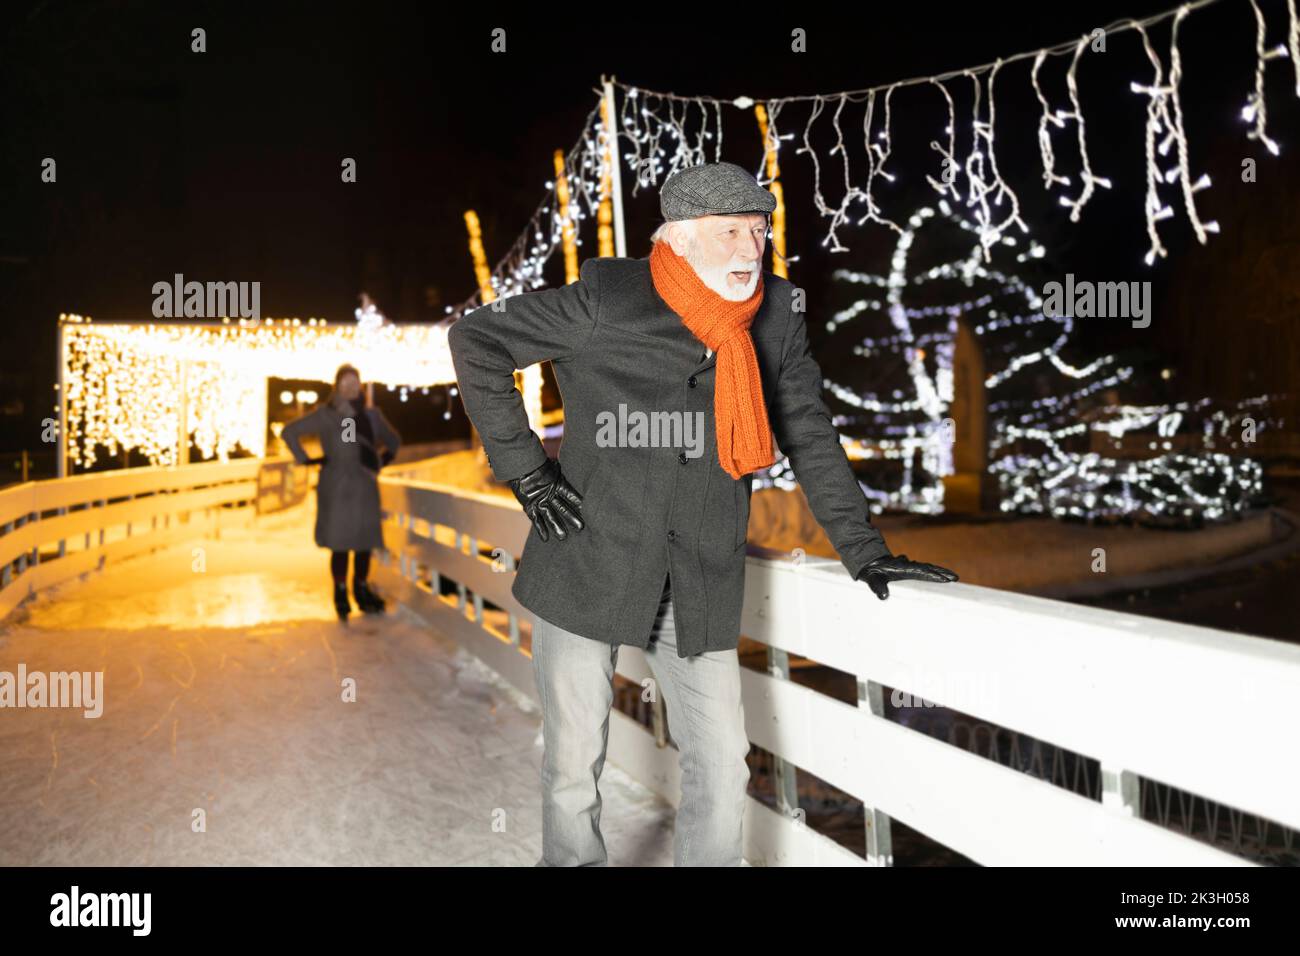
<point>406,565</point>
<point>7,575</point>
<point>22,558</point>
<point>659,720</point>
<point>460,585</point>
<point>478,598</point>
<point>1120,790</point>
<point>880,842</point>
<point>504,564</point>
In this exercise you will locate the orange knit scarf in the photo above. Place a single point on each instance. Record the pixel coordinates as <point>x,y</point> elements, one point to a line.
<point>744,438</point>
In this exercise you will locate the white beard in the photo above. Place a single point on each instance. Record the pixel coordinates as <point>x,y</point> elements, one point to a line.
<point>715,277</point>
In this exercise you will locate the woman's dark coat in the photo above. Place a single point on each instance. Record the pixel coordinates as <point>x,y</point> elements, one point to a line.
<point>347,497</point>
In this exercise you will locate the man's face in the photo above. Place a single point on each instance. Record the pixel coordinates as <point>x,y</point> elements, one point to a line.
<point>726,252</point>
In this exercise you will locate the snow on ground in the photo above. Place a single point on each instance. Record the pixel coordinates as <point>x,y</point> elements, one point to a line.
<point>223,699</point>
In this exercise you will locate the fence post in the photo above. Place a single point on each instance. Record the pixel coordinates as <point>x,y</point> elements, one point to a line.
<point>880,843</point>
<point>1120,791</point>
<point>460,585</point>
<point>786,780</point>
<point>22,558</point>
<point>478,598</point>
<point>7,574</point>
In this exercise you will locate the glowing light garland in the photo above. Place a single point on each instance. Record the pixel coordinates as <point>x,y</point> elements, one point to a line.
<point>666,132</point>
<point>1184,474</point>
<point>126,383</point>
<point>583,173</point>
<point>660,133</point>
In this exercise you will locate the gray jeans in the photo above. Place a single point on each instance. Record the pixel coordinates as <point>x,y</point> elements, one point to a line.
<point>575,679</point>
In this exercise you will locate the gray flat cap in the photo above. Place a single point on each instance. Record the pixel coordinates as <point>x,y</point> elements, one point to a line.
<point>713,189</point>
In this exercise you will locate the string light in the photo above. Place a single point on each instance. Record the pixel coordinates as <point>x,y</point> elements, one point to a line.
<point>1254,110</point>
<point>659,133</point>
<point>1293,40</point>
<point>665,131</point>
<point>1184,476</point>
<point>982,150</point>
<point>947,187</point>
<point>1049,115</point>
<point>1090,182</point>
<point>1184,174</point>
<point>585,168</point>
<point>126,382</point>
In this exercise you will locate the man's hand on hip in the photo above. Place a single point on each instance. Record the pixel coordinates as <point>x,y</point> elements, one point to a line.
<point>896,567</point>
<point>551,503</point>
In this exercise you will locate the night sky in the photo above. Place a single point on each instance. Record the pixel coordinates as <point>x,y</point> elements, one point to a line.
<point>225,165</point>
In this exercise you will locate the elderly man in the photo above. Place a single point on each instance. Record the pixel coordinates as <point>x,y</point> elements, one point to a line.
<point>634,539</point>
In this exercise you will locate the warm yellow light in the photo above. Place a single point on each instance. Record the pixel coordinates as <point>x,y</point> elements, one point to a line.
<point>125,384</point>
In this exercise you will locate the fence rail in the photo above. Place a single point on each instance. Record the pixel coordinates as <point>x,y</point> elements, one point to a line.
<point>1200,710</point>
<point>1151,702</point>
<point>54,530</point>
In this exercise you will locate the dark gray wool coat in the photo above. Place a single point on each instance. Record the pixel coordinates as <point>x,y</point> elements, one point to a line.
<point>649,511</point>
<point>347,497</point>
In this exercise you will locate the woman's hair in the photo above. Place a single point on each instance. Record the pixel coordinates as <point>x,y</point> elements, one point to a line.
<point>344,369</point>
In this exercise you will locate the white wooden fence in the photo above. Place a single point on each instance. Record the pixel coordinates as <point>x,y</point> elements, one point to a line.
<point>1204,711</point>
<point>1208,712</point>
<point>54,530</point>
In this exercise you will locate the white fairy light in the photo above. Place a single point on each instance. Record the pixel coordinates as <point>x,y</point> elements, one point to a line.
<point>1065,480</point>
<point>1180,137</point>
<point>658,134</point>
<point>877,155</point>
<point>1255,111</point>
<point>665,131</point>
<point>982,148</point>
<point>1090,182</point>
<point>125,382</point>
<point>1293,41</point>
<point>1049,115</point>
<point>585,167</point>
<point>949,154</point>
<point>1159,125</point>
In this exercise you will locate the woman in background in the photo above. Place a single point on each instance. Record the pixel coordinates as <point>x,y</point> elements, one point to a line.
<point>347,497</point>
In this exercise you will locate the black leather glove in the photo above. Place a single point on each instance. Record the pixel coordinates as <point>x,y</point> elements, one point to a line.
<point>386,458</point>
<point>896,567</point>
<point>551,503</point>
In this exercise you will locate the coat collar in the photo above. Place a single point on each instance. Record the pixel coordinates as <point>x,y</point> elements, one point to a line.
<point>681,349</point>
<point>686,349</point>
<point>682,341</point>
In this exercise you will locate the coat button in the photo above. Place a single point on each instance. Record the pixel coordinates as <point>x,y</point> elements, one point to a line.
<point>692,381</point>
<point>681,456</point>
<point>671,534</point>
